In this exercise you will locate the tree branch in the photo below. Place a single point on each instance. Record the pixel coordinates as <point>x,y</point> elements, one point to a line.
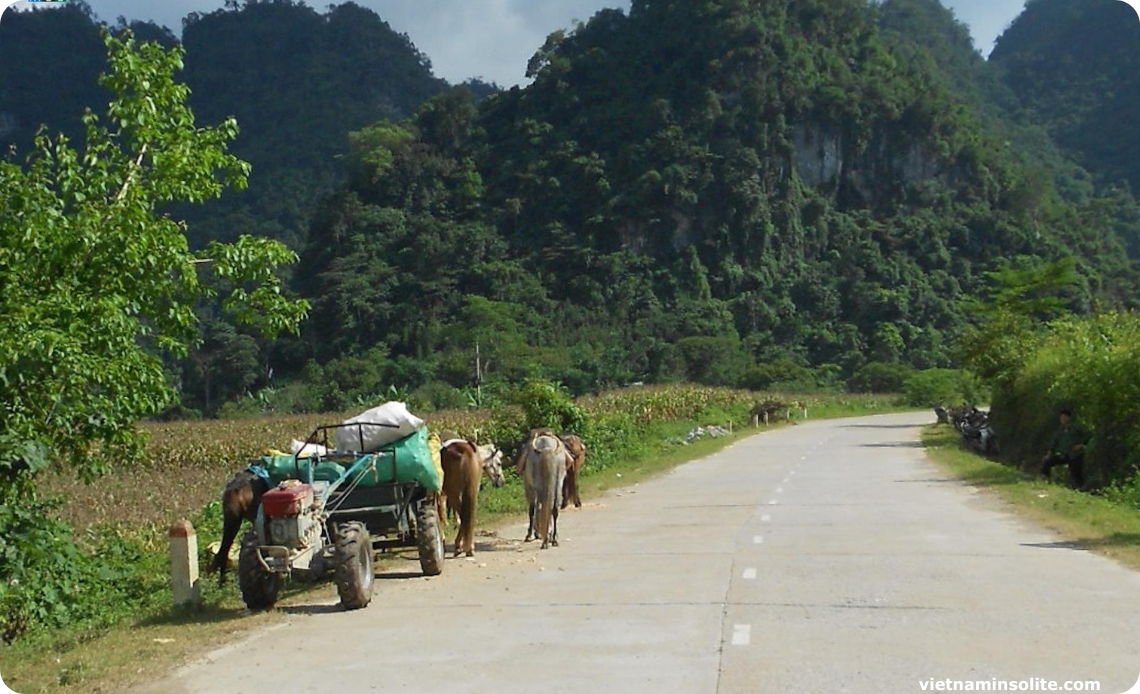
<point>136,165</point>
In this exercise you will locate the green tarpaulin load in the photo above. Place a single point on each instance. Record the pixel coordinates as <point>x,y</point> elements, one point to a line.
<point>413,463</point>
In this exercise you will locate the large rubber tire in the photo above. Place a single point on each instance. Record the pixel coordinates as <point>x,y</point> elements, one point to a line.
<point>259,587</point>
<point>429,540</point>
<point>353,562</point>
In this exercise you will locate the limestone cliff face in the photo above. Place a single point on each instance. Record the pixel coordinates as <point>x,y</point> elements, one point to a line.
<point>818,154</point>
<point>824,156</point>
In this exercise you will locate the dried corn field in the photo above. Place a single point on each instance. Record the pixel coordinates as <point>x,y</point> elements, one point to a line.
<point>188,462</point>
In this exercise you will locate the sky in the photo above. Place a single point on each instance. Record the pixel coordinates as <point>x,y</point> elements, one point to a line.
<point>493,39</point>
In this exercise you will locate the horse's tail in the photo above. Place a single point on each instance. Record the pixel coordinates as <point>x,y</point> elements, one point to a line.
<point>547,482</point>
<point>546,509</point>
<point>466,510</point>
<point>467,501</point>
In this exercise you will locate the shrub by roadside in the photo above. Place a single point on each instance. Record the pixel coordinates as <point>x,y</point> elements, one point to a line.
<point>942,387</point>
<point>1091,365</point>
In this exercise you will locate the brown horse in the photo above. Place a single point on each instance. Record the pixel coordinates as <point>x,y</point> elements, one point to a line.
<point>240,500</point>
<point>464,465</point>
<point>574,463</point>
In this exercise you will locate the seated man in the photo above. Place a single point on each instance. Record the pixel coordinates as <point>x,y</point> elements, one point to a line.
<point>1068,448</point>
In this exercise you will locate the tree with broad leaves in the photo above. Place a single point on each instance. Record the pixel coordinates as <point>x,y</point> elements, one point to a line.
<point>97,284</point>
<point>1011,322</point>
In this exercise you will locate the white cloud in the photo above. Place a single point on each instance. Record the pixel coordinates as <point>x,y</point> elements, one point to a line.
<point>470,39</point>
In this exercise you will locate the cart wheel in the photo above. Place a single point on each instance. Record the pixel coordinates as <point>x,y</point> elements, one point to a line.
<point>353,561</point>
<point>429,539</point>
<point>258,587</point>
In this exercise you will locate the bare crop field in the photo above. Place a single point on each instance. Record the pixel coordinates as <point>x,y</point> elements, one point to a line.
<point>188,462</point>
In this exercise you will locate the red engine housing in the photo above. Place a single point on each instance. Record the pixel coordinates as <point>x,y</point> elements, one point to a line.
<point>287,501</point>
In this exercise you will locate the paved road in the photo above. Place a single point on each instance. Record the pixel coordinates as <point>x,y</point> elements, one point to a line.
<point>826,557</point>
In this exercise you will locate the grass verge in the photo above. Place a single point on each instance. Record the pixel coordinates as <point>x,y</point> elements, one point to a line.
<point>1087,521</point>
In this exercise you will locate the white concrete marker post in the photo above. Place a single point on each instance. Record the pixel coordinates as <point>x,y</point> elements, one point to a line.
<point>184,564</point>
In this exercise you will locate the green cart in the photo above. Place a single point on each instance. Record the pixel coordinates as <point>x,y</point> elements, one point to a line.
<point>331,512</point>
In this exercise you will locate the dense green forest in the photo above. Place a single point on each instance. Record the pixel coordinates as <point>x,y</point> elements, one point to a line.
<point>731,192</point>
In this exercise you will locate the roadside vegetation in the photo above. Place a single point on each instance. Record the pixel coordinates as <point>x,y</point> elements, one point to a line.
<point>1035,350</point>
<point>97,288</point>
<point>1038,351</point>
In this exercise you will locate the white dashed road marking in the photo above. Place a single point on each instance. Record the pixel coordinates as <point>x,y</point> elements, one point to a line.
<point>750,574</point>
<point>741,634</point>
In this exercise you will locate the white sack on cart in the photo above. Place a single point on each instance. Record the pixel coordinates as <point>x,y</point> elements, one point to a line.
<point>376,437</point>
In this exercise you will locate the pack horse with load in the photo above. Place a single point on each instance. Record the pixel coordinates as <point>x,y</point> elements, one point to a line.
<point>349,491</point>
